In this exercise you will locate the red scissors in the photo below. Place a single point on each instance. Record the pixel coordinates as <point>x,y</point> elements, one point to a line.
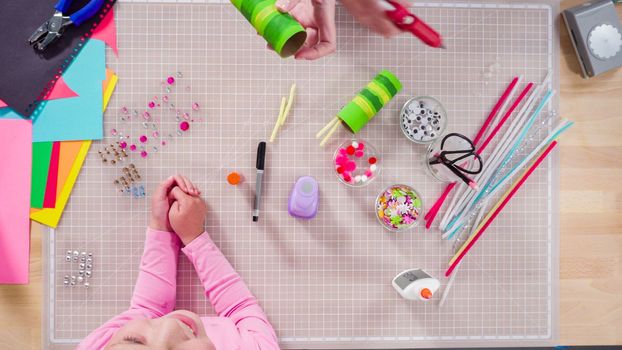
<point>408,22</point>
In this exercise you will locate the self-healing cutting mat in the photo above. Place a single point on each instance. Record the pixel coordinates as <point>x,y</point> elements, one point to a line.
<point>324,283</point>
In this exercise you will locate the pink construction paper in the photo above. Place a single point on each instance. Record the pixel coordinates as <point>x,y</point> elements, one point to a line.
<point>59,90</point>
<point>106,31</point>
<point>15,163</point>
<point>49,200</point>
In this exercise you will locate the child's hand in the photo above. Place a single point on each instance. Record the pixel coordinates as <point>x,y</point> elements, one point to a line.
<point>187,215</point>
<point>161,204</point>
<point>318,18</point>
<point>371,14</point>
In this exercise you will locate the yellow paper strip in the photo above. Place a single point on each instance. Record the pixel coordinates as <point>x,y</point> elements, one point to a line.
<point>278,120</point>
<point>290,101</point>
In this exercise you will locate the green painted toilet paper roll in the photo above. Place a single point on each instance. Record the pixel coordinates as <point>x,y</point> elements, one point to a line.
<point>281,30</point>
<point>370,101</point>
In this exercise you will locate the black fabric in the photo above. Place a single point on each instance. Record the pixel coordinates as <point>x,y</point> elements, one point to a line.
<point>26,73</point>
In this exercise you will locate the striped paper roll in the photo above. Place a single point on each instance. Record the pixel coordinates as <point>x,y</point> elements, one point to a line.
<point>281,30</point>
<point>370,101</point>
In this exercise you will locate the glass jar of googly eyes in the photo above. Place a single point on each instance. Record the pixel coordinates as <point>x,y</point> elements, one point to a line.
<point>423,119</point>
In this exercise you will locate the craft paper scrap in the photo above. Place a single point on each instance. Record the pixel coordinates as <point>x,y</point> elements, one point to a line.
<point>78,118</point>
<point>49,200</point>
<point>51,216</point>
<point>69,149</point>
<point>70,154</point>
<point>41,154</point>
<point>60,90</point>
<point>16,146</point>
<point>106,31</point>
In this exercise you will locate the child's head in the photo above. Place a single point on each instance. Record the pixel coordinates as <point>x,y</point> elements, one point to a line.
<point>179,330</point>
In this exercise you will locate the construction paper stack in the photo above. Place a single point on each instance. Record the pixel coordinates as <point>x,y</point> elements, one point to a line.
<point>41,154</point>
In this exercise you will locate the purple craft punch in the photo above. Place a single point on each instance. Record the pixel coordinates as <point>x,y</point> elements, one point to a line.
<point>304,199</point>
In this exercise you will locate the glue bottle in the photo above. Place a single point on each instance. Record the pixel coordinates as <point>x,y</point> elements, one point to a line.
<point>416,284</point>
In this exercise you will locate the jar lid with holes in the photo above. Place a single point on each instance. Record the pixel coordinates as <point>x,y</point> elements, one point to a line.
<point>423,119</point>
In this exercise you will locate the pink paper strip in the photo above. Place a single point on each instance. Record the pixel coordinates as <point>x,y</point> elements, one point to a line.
<point>16,146</point>
<point>49,200</point>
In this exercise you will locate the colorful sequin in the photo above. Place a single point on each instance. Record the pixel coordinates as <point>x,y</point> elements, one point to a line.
<point>398,207</point>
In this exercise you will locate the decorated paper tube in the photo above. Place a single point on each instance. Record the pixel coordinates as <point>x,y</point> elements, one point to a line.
<point>364,107</point>
<point>281,30</point>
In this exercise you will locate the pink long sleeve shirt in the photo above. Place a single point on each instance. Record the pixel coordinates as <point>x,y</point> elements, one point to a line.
<point>240,324</point>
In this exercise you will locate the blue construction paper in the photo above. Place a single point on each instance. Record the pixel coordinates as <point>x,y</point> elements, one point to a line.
<point>77,118</point>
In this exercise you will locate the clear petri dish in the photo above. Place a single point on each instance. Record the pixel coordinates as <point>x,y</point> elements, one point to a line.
<point>423,119</point>
<point>356,163</point>
<point>439,171</point>
<point>399,208</point>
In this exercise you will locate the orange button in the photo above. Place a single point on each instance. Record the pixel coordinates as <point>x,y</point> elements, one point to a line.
<point>234,179</point>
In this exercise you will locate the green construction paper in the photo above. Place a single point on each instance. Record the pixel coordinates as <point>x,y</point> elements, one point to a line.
<point>363,107</point>
<point>281,30</point>
<point>41,154</point>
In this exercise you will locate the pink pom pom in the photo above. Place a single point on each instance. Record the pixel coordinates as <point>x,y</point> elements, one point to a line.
<point>350,166</point>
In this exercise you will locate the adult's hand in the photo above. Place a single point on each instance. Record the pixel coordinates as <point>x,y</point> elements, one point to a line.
<point>372,15</point>
<point>318,18</point>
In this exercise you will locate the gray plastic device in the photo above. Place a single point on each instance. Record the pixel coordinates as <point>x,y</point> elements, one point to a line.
<point>596,34</point>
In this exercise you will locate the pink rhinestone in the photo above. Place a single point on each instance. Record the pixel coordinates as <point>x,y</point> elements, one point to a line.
<point>343,151</point>
<point>146,115</point>
<point>143,139</point>
<point>184,126</point>
<point>151,104</point>
<point>186,116</point>
<point>369,174</point>
<point>132,147</point>
<point>143,154</point>
<point>361,146</point>
<point>163,143</point>
<point>123,144</point>
<point>359,154</point>
<point>156,134</point>
<point>113,132</point>
<point>125,111</point>
<point>195,106</point>
<point>165,99</point>
<point>170,80</point>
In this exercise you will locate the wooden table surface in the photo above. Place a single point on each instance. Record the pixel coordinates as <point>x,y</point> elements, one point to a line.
<point>591,220</point>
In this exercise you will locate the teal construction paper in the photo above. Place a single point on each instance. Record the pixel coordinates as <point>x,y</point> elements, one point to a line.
<point>76,118</point>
